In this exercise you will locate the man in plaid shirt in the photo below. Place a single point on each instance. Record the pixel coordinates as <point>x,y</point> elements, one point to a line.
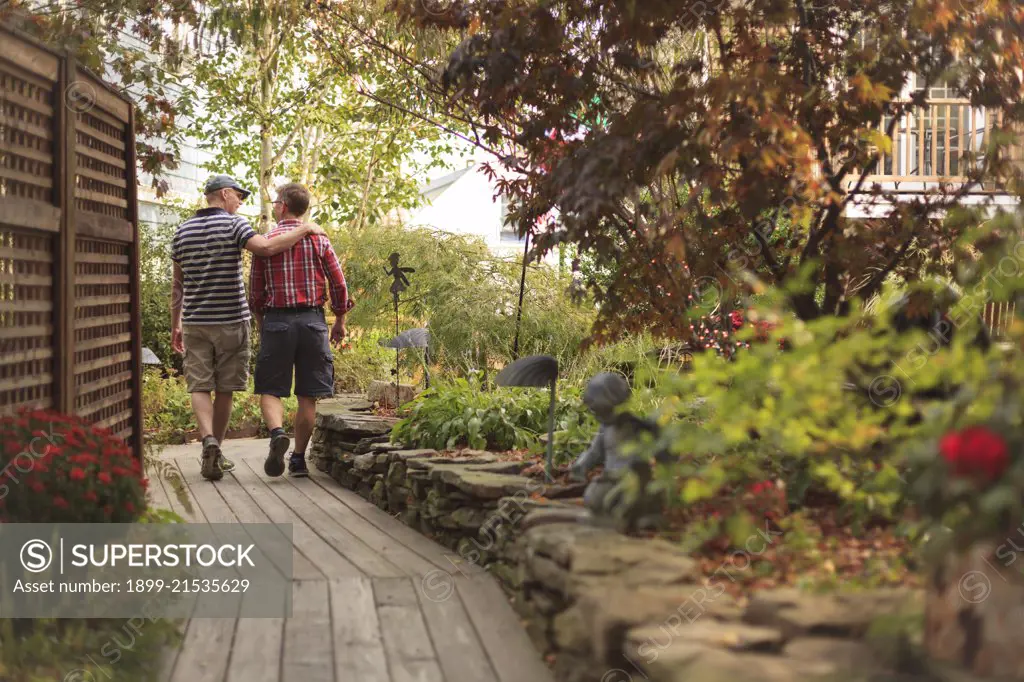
<point>287,295</point>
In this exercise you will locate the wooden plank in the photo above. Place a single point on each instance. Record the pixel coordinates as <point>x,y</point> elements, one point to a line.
<point>512,654</point>
<point>83,367</point>
<point>247,510</point>
<point>36,60</point>
<point>112,180</point>
<point>99,156</point>
<point>416,671</point>
<point>23,280</point>
<point>405,559</point>
<point>92,407</point>
<point>16,357</point>
<point>18,383</point>
<point>99,197</point>
<point>256,655</point>
<point>28,103</point>
<point>104,117</point>
<point>64,284</point>
<point>459,650</point>
<point>25,332</point>
<point>105,227</point>
<point>25,213</point>
<point>31,154</point>
<point>25,127</point>
<point>308,640</point>
<point>102,321</point>
<point>42,181</point>
<point>106,99</point>
<point>28,76</point>
<point>103,258</point>
<point>109,422</point>
<point>102,342</point>
<point>26,306</point>
<point>97,134</point>
<point>358,648</point>
<point>348,545</point>
<point>103,279</point>
<point>438,556</point>
<point>401,623</point>
<point>205,650</point>
<point>27,255</point>
<point>327,559</point>
<point>109,299</point>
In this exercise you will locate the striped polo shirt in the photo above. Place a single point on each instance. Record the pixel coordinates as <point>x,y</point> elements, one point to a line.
<point>208,248</point>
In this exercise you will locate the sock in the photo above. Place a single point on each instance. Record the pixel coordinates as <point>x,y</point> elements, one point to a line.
<point>299,455</point>
<point>274,433</point>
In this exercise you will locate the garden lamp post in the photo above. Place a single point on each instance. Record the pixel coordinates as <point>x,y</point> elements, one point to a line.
<point>536,371</point>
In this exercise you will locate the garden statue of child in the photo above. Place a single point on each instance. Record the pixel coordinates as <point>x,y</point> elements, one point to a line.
<point>605,496</point>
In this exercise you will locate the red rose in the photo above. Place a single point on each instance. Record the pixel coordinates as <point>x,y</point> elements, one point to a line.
<point>104,477</point>
<point>129,507</point>
<point>60,502</point>
<point>77,474</point>
<point>90,496</point>
<point>975,452</point>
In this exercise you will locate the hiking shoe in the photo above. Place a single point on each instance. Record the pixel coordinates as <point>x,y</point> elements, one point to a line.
<point>226,465</point>
<point>210,467</point>
<point>274,464</point>
<point>297,466</point>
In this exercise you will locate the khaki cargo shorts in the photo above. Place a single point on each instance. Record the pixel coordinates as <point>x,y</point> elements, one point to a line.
<point>216,357</point>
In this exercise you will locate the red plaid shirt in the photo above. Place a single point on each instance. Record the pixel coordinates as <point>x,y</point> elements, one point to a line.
<point>298,277</point>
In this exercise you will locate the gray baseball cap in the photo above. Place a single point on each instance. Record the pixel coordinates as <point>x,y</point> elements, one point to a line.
<point>224,182</point>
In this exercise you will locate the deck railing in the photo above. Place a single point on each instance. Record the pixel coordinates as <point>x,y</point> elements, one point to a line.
<point>931,145</point>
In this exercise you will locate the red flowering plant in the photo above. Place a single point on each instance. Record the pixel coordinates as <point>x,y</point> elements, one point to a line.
<point>59,469</point>
<point>967,480</point>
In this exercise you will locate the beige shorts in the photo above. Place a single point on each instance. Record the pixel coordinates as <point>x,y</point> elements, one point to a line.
<point>216,357</point>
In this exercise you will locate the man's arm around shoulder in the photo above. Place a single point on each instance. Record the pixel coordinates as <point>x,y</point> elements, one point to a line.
<point>265,247</point>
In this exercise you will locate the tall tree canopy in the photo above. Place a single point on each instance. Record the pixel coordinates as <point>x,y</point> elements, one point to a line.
<point>682,142</point>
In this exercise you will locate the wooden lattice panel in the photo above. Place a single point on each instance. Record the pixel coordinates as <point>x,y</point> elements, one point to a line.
<point>103,334</point>
<point>26,318</point>
<point>26,134</point>
<point>101,184</point>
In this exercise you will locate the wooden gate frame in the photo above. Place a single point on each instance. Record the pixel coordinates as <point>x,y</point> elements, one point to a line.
<point>93,210</point>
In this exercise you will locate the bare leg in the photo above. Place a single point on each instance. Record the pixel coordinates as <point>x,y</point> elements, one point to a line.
<point>273,411</point>
<point>305,419</point>
<point>202,406</point>
<point>222,404</point>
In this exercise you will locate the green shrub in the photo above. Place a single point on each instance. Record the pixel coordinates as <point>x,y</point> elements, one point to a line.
<point>829,415</point>
<point>463,413</point>
<point>58,469</point>
<point>465,295</point>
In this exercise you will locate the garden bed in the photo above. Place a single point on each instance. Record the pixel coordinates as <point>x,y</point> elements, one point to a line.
<point>599,604</point>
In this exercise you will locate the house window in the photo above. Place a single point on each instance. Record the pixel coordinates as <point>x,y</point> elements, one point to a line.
<point>508,231</point>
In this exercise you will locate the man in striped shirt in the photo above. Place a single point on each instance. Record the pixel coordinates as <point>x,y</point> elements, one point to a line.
<point>209,313</point>
<point>287,294</point>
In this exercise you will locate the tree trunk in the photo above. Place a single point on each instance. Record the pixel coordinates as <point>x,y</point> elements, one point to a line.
<point>268,80</point>
<point>974,611</point>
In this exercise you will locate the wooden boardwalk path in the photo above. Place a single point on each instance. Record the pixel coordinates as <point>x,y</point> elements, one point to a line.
<point>373,600</point>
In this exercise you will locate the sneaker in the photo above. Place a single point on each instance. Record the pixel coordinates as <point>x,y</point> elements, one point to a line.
<point>210,466</point>
<point>297,466</point>
<point>226,465</point>
<point>274,464</point>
